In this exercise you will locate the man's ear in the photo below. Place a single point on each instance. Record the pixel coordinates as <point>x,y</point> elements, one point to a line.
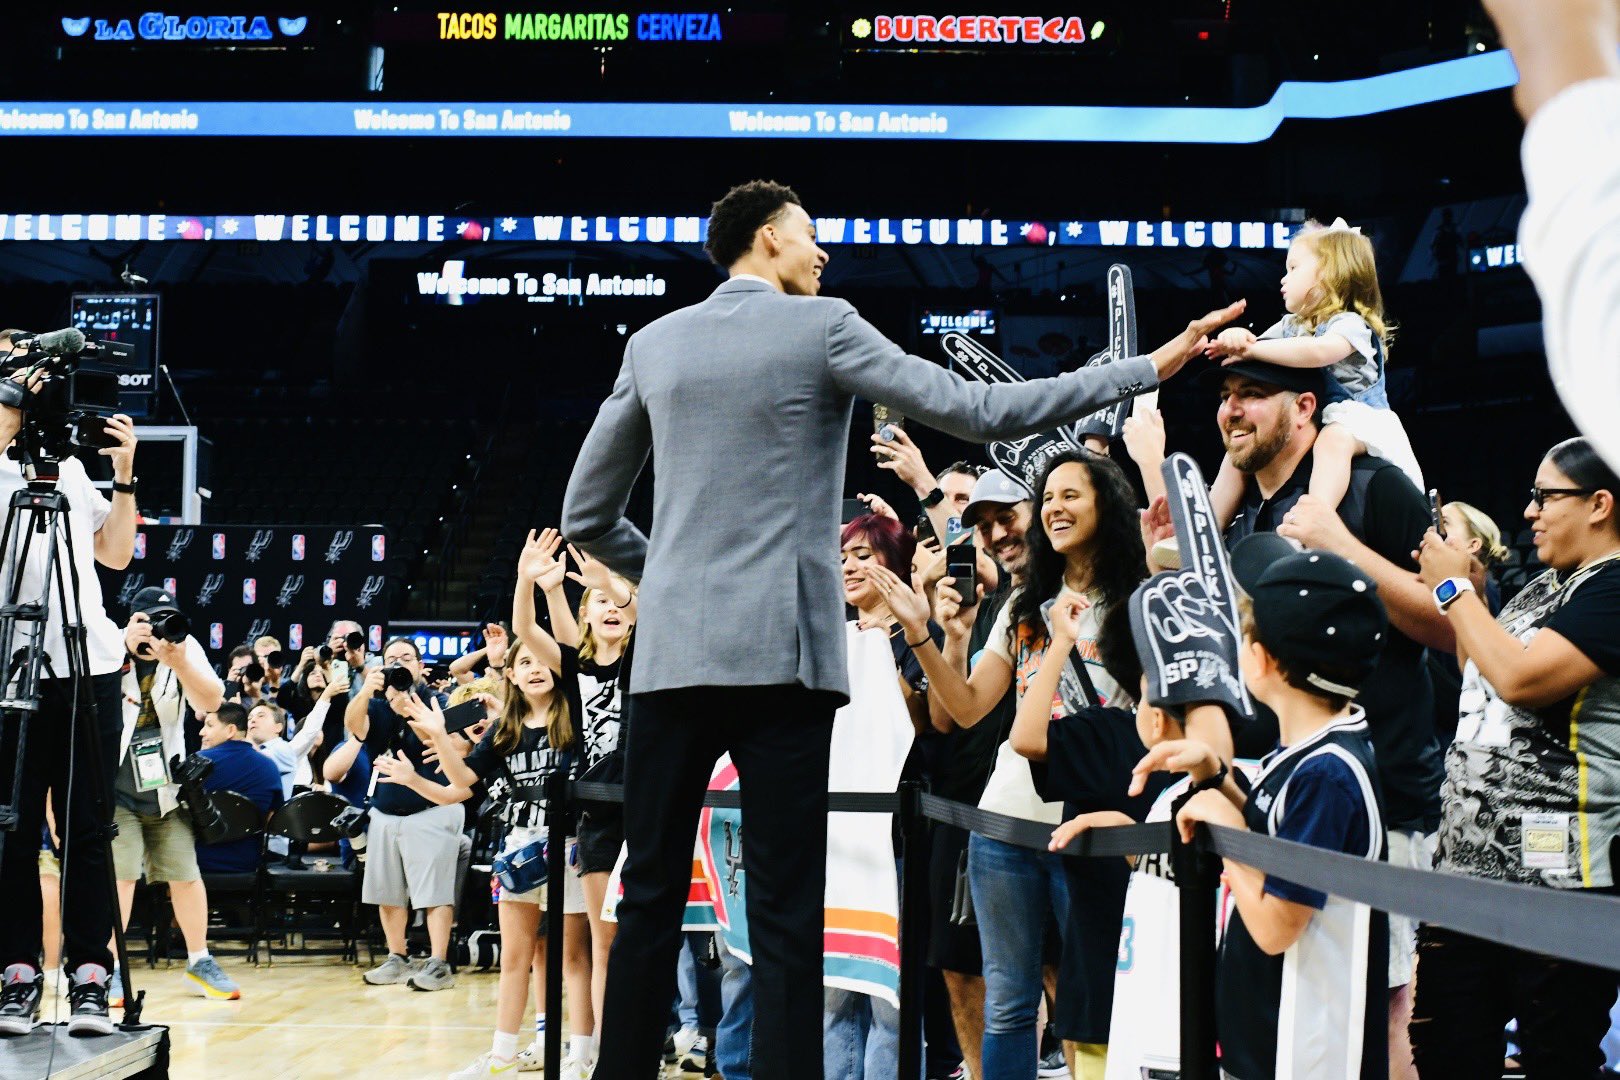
<point>1308,406</point>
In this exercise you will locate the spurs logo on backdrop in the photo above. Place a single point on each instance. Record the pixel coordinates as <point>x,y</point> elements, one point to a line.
<point>733,855</point>
<point>259,628</point>
<point>179,542</point>
<point>261,540</point>
<point>131,586</point>
<point>340,543</point>
<point>290,587</point>
<point>212,583</point>
<point>370,590</point>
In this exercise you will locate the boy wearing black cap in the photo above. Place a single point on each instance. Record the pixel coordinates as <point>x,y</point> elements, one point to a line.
<point>1301,976</point>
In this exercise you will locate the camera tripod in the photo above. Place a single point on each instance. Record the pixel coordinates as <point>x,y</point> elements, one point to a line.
<point>38,517</point>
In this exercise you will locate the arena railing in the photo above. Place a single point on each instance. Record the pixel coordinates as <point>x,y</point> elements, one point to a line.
<point>1569,924</point>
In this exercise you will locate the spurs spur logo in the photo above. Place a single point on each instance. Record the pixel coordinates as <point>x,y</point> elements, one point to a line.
<point>290,587</point>
<point>733,855</point>
<point>261,540</point>
<point>259,628</point>
<point>179,542</point>
<point>370,590</point>
<point>340,543</point>
<point>211,585</point>
<point>131,586</point>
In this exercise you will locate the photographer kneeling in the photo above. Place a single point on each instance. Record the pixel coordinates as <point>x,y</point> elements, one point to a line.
<point>167,669</point>
<point>59,755</point>
<point>413,845</point>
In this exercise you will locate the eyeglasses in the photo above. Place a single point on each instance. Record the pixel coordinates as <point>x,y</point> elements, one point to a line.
<point>1540,495</point>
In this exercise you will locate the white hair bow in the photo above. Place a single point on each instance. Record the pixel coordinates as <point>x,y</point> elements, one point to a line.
<point>1341,225</point>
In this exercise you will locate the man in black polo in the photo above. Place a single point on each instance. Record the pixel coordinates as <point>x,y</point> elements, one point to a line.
<point>1268,418</point>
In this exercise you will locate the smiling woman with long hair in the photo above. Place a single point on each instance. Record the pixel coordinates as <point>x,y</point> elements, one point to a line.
<point>1087,551</point>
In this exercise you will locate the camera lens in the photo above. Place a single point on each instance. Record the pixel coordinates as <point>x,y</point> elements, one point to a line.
<point>396,677</point>
<point>325,653</point>
<point>171,626</point>
<point>355,640</point>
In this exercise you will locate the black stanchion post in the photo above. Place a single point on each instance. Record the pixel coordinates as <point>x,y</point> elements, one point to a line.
<point>1197,874</point>
<point>556,789</point>
<point>913,926</point>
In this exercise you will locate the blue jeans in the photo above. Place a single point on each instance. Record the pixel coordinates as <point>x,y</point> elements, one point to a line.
<point>1016,892</point>
<point>686,983</point>
<point>860,1037</point>
<point>734,1038</point>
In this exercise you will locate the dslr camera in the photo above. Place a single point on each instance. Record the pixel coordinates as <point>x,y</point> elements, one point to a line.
<point>206,820</point>
<point>396,677</point>
<point>168,624</point>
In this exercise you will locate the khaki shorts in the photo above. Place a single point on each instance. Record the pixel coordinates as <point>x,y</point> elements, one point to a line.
<point>1412,849</point>
<point>163,848</point>
<point>412,860</point>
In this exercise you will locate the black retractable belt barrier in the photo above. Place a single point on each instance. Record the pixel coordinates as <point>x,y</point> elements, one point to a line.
<point>1570,924</point>
<point>557,807</point>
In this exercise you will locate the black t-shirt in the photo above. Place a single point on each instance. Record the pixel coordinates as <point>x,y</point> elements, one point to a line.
<point>1089,758</point>
<point>966,754</point>
<point>1385,512</point>
<point>528,765</point>
<point>389,731</point>
<point>602,709</point>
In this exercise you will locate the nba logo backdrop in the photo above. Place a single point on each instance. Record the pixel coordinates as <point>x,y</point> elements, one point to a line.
<point>208,572</point>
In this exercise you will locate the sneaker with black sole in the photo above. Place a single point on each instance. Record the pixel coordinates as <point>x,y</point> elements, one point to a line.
<point>20,996</point>
<point>87,1001</point>
<point>1052,1063</point>
<point>696,1058</point>
<point>434,974</point>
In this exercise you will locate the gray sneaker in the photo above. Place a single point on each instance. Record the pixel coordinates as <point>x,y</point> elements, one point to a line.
<point>392,971</point>
<point>211,981</point>
<point>432,975</point>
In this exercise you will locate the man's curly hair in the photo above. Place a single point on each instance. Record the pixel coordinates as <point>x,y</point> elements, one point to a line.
<point>735,219</point>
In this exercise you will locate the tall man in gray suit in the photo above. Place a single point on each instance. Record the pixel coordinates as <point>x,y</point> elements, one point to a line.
<point>744,401</point>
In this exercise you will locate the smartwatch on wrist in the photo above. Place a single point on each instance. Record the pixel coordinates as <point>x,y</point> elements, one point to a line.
<point>933,498</point>
<point>126,489</point>
<point>1447,592</point>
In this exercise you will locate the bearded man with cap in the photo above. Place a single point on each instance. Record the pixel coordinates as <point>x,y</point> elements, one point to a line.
<point>1301,974</point>
<point>154,835</point>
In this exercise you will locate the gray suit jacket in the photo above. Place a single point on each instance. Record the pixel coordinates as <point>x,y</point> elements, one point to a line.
<point>744,400</point>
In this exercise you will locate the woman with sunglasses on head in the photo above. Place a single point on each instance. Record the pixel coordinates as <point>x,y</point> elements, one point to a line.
<point>1532,788</point>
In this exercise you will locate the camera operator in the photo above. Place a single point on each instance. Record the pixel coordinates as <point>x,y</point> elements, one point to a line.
<point>413,845</point>
<point>154,834</point>
<point>347,640</point>
<point>59,755</point>
<point>276,687</point>
<point>244,677</point>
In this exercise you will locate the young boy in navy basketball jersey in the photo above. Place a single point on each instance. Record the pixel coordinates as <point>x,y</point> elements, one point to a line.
<point>1301,976</point>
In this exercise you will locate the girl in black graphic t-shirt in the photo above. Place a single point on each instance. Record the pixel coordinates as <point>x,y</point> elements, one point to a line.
<point>534,737</point>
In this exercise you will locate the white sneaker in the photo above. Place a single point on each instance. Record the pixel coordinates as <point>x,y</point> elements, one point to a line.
<point>685,1039</point>
<point>533,1057</point>
<point>575,1069</point>
<point>486,1065</point>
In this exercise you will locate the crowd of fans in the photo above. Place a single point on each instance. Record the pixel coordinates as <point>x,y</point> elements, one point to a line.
<point>1437,723</point>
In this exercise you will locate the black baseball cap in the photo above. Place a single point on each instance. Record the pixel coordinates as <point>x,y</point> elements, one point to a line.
<point>1313,610</point>
<point>152,599</point>
<point>1297,380</point>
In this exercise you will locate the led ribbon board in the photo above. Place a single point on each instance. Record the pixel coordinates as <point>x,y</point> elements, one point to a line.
<point>700,120</point>
<point>576,229</point>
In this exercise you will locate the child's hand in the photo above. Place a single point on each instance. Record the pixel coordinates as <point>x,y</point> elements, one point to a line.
<point>1210,807</point>
<point>1066,832</point>
<point>1190,756</point>
<point>1232,344</point>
